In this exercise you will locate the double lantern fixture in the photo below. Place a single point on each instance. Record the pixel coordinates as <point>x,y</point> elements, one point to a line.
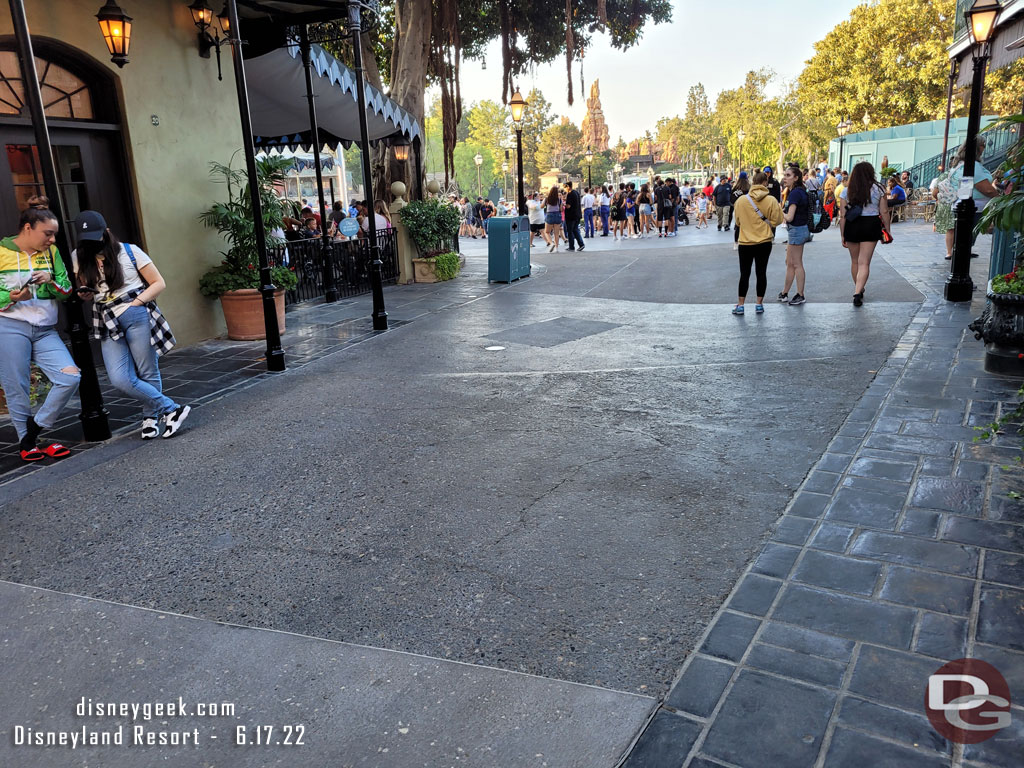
<point>202,17</point>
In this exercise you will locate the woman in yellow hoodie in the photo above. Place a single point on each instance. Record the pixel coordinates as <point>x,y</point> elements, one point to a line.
<point>32,280</point>
<point>757,215</point>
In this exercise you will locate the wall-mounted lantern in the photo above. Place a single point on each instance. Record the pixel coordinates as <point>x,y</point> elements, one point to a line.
<point>116,27</point>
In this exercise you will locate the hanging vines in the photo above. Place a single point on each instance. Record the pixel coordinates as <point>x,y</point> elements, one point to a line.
<point>445,58</point>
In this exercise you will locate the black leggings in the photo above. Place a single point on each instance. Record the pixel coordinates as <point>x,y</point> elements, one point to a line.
<point>750,255</point>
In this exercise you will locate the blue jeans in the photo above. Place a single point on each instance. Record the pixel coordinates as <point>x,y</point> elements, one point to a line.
<point>605,212</point>
<point>131,363</point>
<point>20,344</point>
<point>572,233</point>
<point>588,222</point>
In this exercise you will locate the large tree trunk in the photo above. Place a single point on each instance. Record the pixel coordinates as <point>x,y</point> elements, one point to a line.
<point>409,59</point>
<point>379,189</point>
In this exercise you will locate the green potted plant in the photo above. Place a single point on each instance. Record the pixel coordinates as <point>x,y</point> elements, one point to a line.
<point>1001,325</point>
<point>236,280</point>
<point>432,228</point>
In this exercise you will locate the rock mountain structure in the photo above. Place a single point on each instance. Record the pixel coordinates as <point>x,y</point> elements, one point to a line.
<point>595,130</point>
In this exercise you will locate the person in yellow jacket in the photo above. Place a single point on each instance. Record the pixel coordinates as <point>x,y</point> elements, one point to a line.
<point>757,215</point>
<point>32,280</point>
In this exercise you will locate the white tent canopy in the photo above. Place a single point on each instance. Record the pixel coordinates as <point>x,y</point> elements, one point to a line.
<point>280,115</point>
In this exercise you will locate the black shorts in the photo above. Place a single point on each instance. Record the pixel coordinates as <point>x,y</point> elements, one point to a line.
<point>535,228</point>
<point>863,229</point>
<point>665,214</point>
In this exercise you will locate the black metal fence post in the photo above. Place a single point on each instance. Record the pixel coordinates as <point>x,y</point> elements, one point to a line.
<point>330,290</point>
<point>275,355</point>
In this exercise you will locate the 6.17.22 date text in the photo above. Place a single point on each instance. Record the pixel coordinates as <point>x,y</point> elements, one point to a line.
<point>269,735</point>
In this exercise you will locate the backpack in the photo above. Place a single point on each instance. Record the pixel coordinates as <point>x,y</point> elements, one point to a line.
<point>818,219</point>
<point>948,185</point>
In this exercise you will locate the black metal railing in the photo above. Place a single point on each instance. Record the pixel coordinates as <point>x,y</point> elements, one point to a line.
<point>998,143</point>
<point>349,260</point>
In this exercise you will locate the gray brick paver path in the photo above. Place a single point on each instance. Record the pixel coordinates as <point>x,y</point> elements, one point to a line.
<point>900,551</point>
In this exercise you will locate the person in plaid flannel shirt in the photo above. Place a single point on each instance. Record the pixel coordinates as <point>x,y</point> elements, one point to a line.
<point>123,283</point>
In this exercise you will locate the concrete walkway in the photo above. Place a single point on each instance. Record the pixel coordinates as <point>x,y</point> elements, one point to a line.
<point>578,503</point>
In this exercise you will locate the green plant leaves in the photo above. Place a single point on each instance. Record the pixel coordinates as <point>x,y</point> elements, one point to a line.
<point>432,225</point>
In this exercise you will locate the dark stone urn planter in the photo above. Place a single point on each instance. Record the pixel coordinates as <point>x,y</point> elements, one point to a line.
<point>1001,327</point>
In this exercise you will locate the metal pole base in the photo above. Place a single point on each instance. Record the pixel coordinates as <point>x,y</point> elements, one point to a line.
<point>95,427</point>
<point>959,288</point>
<point>275,360</point>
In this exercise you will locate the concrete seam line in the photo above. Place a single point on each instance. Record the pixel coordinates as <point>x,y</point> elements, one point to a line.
<point>324,640</point>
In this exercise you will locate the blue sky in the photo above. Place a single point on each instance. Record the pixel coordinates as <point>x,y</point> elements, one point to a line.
<point>715,42</point>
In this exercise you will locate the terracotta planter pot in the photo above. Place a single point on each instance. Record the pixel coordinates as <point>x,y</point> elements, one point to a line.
<point>243,313</point>
<point>1001,327</point>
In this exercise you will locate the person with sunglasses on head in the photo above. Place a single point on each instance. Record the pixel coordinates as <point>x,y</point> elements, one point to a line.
<point>123,283</point>
<point>796,213</point>
<point>32,280</point>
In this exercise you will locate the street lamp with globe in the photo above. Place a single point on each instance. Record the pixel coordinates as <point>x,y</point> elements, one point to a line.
<point>843,128</point>
<point>517,105</point>
<point>981,22</point>
<point>479,160</point>
<point>590,160</point>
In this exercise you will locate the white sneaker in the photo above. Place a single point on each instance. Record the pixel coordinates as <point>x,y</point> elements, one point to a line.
<point>175,419</point>
<point>150,428</point>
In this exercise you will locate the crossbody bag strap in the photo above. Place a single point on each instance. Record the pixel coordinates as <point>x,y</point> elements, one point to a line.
<point>756,208</point>
<point>131,255</point>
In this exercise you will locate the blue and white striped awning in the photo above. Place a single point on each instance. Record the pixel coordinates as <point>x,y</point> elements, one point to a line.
<point>280,117</point>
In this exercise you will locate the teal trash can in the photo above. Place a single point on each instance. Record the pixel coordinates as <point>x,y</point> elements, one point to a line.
<point>508,248</point>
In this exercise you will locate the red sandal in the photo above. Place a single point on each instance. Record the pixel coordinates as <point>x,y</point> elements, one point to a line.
<point>57,451</point>
<point>33,454</point>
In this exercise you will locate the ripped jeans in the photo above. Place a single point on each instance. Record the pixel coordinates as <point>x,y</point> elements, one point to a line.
<point>21,343</point>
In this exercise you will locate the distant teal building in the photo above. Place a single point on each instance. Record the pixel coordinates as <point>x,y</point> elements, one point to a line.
<point>904,146</point>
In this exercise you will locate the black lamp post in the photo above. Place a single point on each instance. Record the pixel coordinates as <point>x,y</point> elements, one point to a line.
<point>843,128</point>
<point>518,106</point>
<point>479,160</point>
<point>981,17</point>
<point>741,136</point>
<point>275,354</point>
<point>380,315</point>
<point>590,161</point>
<point>93,415</point>
<point>504,180</point>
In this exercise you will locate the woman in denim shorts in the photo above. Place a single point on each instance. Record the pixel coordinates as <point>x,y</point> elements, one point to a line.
<point>796,216</point>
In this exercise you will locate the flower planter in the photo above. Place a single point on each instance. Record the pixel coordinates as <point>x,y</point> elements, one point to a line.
<point>423,271</point>
<point>1001,327</point>
<point>243,313</point>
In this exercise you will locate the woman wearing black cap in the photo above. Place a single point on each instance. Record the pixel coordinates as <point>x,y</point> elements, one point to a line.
<point>123,283</point>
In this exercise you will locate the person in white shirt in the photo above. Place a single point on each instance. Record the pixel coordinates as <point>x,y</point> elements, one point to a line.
<point>588,212</point>
<point>604,202</point>
<point>535,208</point>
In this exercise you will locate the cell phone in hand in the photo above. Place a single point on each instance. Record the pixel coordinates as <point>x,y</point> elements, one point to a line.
<point>886,238</point>
<point>86,289</point>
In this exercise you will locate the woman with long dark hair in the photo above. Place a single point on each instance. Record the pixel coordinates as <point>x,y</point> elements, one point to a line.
<point>32,280</point>
<point>123,283</point>
<point>863,216</point>
<point>795,213</point>
<point>553,218</point>
<point>739,189</point>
